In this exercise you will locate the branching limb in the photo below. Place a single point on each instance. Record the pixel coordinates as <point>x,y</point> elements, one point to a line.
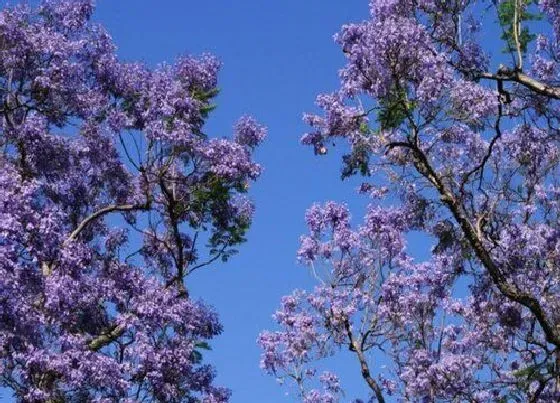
<point>100,213</point>
<point>106,338</point>
<point>46,267</point>
<point>516,33</point>
<point>211,260</point>
<point>356,347</point>
<point>537,86</point>
<point>488,154</point>
<point>508,290</point>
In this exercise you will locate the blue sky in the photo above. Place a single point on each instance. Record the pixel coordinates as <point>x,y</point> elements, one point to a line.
<point>277,56</point>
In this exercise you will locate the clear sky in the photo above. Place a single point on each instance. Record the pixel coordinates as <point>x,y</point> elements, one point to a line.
<point>277,56</point>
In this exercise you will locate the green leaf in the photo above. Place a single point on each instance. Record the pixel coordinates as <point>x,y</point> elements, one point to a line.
<point>203,345</point>
<point>393,109</point>
<point>506,15</point>
<point>356,162</point>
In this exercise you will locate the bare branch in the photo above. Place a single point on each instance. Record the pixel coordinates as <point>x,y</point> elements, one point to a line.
<point>517,76</point>
<point>516,33</point>
<point>488,154</point>
<point>210,261</point>
<point>356,347</point>
<point>106,338</point>
<point>106,210</point>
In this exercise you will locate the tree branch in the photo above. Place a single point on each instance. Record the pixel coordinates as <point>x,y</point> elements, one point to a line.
<point>516,32</point>
<point>488,154</point>
<point>517,76</point>
<point>99,213</point>
<point>508,290</point>
<point>210,261</point>
<point>106,338</point>
<point>356,347</point>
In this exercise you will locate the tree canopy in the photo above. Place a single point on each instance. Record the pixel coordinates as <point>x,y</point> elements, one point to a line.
<point>456,134</point>
<point>97,152</point>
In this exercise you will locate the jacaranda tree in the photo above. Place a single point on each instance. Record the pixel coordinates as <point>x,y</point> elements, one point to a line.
<point>452,108</point>
<point>111,194</point>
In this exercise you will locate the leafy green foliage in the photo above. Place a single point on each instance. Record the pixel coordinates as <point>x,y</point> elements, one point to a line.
<point>356,162</point>
<point>205,97</point>
<point>393,109</point>
<point>212,200</point>
<point>506,16</point>
<point>197,354</point>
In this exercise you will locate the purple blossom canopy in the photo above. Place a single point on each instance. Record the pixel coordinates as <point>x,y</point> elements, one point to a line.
<point>88,315</point>
<point>458,155</point>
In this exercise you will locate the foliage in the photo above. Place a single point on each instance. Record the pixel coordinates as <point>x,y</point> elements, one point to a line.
<point>507,16</point>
